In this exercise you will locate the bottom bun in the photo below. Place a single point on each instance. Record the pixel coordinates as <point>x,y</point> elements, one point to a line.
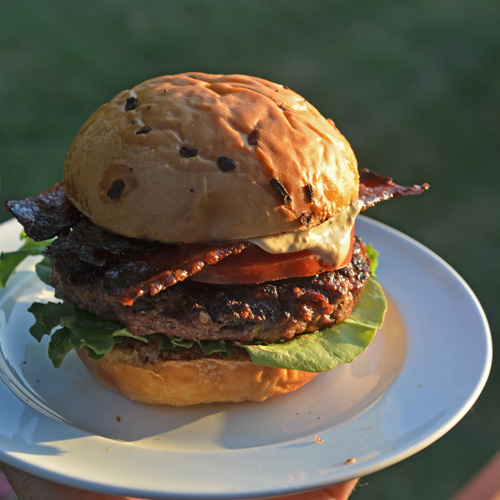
<point>203,380</point>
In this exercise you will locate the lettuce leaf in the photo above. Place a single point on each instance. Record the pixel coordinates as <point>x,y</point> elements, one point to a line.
<point>42,270</point>
<point>207,346</point>
<point>10,260</point>
<point>72,328</point>
<point>323,350</point>
<point>373,254</point>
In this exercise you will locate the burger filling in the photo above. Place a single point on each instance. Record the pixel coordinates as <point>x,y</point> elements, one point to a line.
<point>269,311</point>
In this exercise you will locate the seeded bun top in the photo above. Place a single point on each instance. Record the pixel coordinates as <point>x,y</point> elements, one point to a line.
<point>198,157</point>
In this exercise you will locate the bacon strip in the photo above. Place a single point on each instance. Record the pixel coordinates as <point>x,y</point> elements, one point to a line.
<point>138,267</point>
<point>98,247</point>
<point>49,213</point>
<point>374,188</point>
<point>46,214</point>
<point>194,258</point>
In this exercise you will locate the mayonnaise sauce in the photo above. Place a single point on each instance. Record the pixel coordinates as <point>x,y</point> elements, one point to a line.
<point>330,241</point>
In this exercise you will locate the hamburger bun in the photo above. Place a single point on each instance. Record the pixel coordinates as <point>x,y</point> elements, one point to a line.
<point>183,382</point>
<point>196,157</point>
<point>168,181</point>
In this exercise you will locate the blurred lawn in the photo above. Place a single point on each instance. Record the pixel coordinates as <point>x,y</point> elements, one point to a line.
<point>415,87</point>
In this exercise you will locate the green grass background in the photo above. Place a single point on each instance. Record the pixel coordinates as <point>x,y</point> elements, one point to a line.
<point>415,87</point>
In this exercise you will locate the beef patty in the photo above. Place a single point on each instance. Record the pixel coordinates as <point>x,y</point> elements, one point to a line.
<point>191,310</point>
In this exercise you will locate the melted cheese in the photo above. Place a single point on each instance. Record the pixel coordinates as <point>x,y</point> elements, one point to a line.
<point>330,241</point>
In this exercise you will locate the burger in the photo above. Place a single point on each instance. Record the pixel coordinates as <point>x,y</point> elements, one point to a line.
<point>201,244</point>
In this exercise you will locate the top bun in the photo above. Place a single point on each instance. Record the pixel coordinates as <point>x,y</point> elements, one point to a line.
<point>198,157</point>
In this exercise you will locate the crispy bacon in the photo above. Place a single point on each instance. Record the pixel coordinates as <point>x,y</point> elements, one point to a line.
<point>99,247</point>
<point>49,213</point>
<point>46,214</point>
<point>138,267</point>
<point>184,260</point>
<point>374,188</point>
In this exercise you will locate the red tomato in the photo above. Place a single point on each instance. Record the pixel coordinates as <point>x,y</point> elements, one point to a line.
<point>254,265</point>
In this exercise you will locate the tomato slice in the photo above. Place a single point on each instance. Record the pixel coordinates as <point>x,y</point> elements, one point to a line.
<point>254,265</point>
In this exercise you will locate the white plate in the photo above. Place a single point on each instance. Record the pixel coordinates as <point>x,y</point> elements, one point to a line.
<point>422,373</point>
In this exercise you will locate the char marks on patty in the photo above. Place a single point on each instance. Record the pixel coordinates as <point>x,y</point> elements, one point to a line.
<point>191,310</point>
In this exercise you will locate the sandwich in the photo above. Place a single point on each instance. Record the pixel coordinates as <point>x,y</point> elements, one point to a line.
<point>201,243</point>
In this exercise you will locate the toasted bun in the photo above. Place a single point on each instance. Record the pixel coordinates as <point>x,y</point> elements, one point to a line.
<point>191,157</point>
<point>182,383</point>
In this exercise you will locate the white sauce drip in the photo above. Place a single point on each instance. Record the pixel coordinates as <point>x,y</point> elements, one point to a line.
<point>330,241</point>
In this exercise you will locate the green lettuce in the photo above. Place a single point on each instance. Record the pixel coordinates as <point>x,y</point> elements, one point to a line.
<point>207,346</point>
<point>373,254</point>
<point>323,350</point>
<point>10,260</point>
<point>72,328</point>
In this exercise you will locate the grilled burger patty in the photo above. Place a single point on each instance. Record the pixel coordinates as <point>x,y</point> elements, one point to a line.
<point>191,310</point>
